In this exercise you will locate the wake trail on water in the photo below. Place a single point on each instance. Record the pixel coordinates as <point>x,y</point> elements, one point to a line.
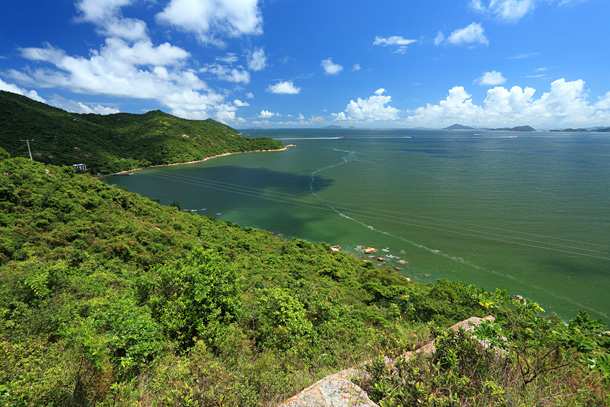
<point>372,228</point>
<point>345,160</point>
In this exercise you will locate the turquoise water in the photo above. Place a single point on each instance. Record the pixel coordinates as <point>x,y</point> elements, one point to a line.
<point>526,212</point>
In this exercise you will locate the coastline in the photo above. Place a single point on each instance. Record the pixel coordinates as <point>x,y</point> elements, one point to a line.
<point>190,162</point>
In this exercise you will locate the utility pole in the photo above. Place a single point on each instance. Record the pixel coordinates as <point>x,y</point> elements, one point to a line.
<point>30,151</point>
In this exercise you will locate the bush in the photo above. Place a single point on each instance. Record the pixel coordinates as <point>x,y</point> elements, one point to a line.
<point>196,296</point>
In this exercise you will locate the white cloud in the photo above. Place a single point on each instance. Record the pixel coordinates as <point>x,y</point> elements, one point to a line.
<point>525,56</point>
<point>440,37</point>
<point>472,34</point>
<point>395,40</point>
<point>257,60</point>
<point>250,95</point>
<point>507,10</point>
<point>265,114</point>
<point>228,74</point>
<point>80,107</point>
<point>371,109</point>
<point>604,102</point>
<point>330,68</point>
<point>140,70</point>
<point>286,88</point>
<point>106,15</point>
<point>457,106</point>
<point>211,20</point>
<point>225,113</point>
<point>239,103</point>
<point>356,67</point>
<point>32,94</point>
<point>229,58</point>
<point>492,78</point>
<point>565,105</point>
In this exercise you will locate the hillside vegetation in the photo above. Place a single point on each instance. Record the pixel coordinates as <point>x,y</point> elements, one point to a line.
<point>116,142</point>
<point>110,299</point>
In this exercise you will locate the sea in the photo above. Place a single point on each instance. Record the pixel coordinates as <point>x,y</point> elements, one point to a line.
<point>527,212</point>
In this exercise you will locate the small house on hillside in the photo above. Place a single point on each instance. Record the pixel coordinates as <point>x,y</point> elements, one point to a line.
<point>81,167</point>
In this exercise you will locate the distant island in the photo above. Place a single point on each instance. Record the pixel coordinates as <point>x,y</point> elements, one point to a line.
<point>517,128</point>
<point>458,127</point>
<point>595,130</point>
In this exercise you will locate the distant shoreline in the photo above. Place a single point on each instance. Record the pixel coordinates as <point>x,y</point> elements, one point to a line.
<point>189,162</point>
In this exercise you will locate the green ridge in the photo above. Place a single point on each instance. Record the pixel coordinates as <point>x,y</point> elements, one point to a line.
<point>116,142</point>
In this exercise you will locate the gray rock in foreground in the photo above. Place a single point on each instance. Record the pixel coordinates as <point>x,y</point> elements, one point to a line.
<point>338,390</point>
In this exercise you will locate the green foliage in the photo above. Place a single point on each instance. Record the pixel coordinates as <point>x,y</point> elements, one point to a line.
<point>4,154</point>
<point>196,296</point>
<point>130,334</point>
<point>282,322</point>
<point>108,298</point>
<point>117,142</point>
<point>459,371</point>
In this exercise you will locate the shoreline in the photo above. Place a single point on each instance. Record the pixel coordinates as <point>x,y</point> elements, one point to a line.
<point>189,162</point>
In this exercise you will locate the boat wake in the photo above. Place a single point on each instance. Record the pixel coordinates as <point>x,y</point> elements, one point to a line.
<point>350,157</point>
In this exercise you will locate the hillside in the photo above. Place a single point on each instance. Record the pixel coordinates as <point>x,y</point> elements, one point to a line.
<point>107,298</point>
<point>110,143</point>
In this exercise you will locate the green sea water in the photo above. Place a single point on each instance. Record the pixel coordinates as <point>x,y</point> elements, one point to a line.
<point>526,212</point>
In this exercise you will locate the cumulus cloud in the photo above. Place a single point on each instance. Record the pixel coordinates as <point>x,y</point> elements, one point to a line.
<point>396,41</point>
<point>565,105</point>
<point>138,70</point>
<point>10,87</point>
<point>239,103</point>
<point>470,35</point>
<point>356,67</point>
<point>225,113</point>
<point>285,88</point>
<point>492,78</point>
<point>257,60</point>
<point>211,20</point>
<point>371,109</point>
<point>265,114</point>
<point>250,95</point>
<point>330,68</point>
<point>106,15</point>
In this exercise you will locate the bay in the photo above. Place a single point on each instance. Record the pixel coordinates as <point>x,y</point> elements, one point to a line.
<point>526,212</point>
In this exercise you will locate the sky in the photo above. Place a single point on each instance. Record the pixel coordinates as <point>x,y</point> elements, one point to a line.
<point>315,63</point>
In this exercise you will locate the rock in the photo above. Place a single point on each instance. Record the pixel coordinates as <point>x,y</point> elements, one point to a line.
<point>335,248</point>
<point>338,391</point>
<point>369,250</point>
<point>334,390</point>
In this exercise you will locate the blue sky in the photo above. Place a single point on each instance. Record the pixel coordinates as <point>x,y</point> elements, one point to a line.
<point>289,63</point>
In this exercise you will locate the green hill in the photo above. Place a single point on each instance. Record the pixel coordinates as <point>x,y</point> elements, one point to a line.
<point>111,143</point>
